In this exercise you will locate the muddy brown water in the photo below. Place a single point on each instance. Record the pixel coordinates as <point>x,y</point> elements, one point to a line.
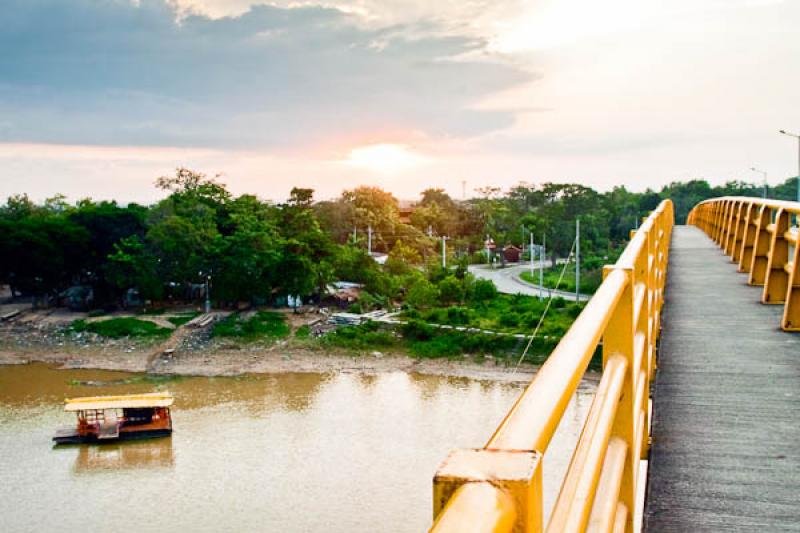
<point>283,452</point>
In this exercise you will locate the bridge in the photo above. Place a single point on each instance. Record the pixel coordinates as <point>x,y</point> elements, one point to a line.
<point>694,423</point>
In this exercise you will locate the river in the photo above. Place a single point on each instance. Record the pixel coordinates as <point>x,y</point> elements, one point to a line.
<point>282,452</point>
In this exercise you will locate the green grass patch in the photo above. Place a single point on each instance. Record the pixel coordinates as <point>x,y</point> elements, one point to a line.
<point>183,318</point>
<point>590,280</point>
<point>366,336</point>
<point>303,332</point>
<point>262,324</point>
<point>504,313</point>
<point>116,328</point>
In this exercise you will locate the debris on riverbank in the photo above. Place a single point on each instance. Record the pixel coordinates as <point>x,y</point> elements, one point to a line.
<point>47,337</point>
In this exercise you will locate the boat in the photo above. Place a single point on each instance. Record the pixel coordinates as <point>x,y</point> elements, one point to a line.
<point>116,418</point>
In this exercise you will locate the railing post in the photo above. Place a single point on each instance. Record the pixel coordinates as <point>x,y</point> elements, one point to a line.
<point>738,237</point>
<point>746,256</point>
<point>619,339</point>
<point>732,225</point>
<point>723,217</point>
<point>791,309</point>
<point>777,279</point>
<point>517,473</point>
<point>761,243</point>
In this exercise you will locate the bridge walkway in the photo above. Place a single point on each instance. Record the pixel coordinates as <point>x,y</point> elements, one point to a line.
<point>726,434</point>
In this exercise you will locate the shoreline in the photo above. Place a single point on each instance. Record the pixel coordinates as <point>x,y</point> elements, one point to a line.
<point>226,363</point>
<point>265,360</point>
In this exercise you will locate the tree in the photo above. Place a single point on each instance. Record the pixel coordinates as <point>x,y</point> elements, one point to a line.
<point>422,294</point>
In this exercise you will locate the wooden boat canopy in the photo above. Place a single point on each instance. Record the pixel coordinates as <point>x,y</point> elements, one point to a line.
<point>128,401</point>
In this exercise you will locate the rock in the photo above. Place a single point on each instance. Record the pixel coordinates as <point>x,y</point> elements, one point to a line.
<point>377,355</point>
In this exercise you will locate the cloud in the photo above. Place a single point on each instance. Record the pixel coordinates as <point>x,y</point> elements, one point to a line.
<point>116,72</point>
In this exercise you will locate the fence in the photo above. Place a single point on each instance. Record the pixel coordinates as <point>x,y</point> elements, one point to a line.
<point>761,237</point>
<point>499,487</point>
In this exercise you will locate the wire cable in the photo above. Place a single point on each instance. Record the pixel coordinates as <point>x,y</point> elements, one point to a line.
<point>544,313</point>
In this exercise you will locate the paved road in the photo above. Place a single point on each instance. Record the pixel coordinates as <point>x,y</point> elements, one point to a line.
<point>726,432</point>
<point>508,281</point>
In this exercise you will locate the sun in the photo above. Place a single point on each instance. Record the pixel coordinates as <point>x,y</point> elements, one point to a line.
<point>385,158</point>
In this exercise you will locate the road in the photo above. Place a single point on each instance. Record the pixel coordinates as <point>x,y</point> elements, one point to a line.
<point>508,281</point>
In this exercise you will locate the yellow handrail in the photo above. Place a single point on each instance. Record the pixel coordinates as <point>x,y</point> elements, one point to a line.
<point>501,484</point>
<point>761,237</point>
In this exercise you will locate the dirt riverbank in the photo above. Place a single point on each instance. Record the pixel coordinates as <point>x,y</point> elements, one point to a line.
<point>44,336</point>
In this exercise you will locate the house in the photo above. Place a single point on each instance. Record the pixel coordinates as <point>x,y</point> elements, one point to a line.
<point>511,253</point>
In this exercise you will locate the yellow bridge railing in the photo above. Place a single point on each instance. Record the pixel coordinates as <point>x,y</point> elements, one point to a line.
<point>761,237</point>
<point>499,487</point>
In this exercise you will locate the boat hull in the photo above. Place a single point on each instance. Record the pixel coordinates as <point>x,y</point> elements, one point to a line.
<point>72,436</point>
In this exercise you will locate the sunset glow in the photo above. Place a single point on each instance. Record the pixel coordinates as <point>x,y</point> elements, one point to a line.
<point>386,158</point>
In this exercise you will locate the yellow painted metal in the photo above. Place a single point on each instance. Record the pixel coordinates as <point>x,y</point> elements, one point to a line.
<point>625,312</point>
<point>154,399</point>
<point>477,508</point>
<point>621,518</point>
<point>574,503</point>
<point>535,416</point>
<point>768,251</point>
<point>601,520</point>
<point>776,280</point>
<point>518,473</point>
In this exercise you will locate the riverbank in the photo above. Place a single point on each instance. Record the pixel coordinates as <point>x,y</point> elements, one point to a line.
<point>261,360</point>
<point>46,336</point>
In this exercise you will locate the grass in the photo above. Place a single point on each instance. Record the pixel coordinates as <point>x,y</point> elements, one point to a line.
<point>504,314</point>
<point>590,280</point>
<point>116,328</point>
<point>263,324</point>
<point>182,318</point>
<point>367,336</point>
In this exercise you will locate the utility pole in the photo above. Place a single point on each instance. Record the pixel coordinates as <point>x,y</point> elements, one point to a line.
<point>463,189</point>
<point>798,159</point>
<point>533,266</point>
<point>444,251</point>
<point>369,239</point>
<point>763,173</point>
<point>542,261</point>
<point>577,260</point>
<point>208,293</point>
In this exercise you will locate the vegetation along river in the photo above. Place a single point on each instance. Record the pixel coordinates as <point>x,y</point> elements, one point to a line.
<point>285,452</point>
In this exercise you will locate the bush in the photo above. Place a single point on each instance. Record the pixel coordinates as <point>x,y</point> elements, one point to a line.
<point>303,332</point>
<point>451,289</point>
<point>116,328</point>
<point>262,324</point>
<point>441,346</point>
<point>483,290</point>
<point>458,316</point>
<point>509,320</point>
<point>362,337</point>
<point>417,330</point>
<point>355,308</point>
<point>422,294</point>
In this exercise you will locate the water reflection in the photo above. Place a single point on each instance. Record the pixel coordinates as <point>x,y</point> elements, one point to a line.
<point>290,452</point>
<point>146,454</point>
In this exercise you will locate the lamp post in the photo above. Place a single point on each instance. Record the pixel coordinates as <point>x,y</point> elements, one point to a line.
<point>765,179</point>
<point>784,132</point>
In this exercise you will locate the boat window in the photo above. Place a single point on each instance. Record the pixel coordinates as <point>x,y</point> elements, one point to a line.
<point>134,416</point>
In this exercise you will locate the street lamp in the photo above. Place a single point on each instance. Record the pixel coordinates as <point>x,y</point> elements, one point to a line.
<point>784,132</point>
<point>765,179</point>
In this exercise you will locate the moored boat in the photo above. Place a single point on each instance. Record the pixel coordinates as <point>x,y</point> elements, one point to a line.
<point>114,418</point>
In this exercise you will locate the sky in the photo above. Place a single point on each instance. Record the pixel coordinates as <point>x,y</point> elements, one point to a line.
<point>100,97</point>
